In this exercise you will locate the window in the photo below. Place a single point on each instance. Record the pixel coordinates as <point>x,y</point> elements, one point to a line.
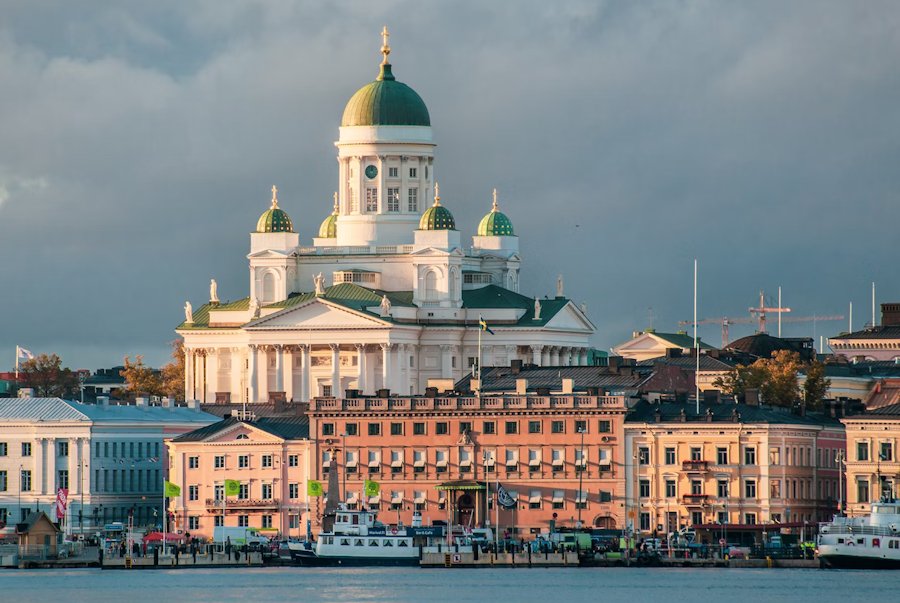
<point>193,492</point>
<point>488,427</point>
<point>244,492</point>
<point>721,456</point>
<point>219,462</point>
<point>604,426</point>
<point>465,426</point>
<point>267,461</point>
<point>327,429</point>
<point>722,517</point>
<point>372,199</point>
<point>243,521</point>
<point>775,456</point>
<point>26,448</point>
<point>293,521</point>
<point>671,492</point>
<point>293,460</point>
<point>643,455</point>
<point>25,481</point>
<point>862,451</point>
<point>722,488</point>
<point>293,491</point>
<point>512,427</point>
<point>580,426</point>
<point>396,429</point>
<point>393,200</point>
<point>193,522</point>
<point>749,456</point>
<point>63,448</point>
<point>441,428</point>
<point>4,448</point>
<point>418,428</point>
<point>393,172</point>
<point>887,452</point>
<point>605,496</point>
<point>862,490</point>
<point>645,521</point>
<point>557,426</point>
<point>374,429</point>
<point>696,487</point>
<point>413,172</point>
<point>750,518</point>
<point>243,461</point>
<point>534,501</point>
<point>670,456</point>
<point>696,453</point>
<point>412,197</point>
<point>193,462</point>
<point>644,490</point>
<point>581,499</point>
<point>354,201</point>
<point>696,518</point>
<point>351,429</point>
<point>62,478</point>
<point>775,488</point>
<point>534,427</point>
<point>750,488</point>
<point>4,481</point>
<point>217,520</point>
<point>266,491</point>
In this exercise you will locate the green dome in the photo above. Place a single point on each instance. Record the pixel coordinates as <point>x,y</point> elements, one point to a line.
<point>386,102</point>
<point>437,217</point>
<point>495,224</point>
<point>274,219</point>
<point>328,229</point>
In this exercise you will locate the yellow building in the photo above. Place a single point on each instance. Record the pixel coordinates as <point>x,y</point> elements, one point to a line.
<point>872,466</point>
<point>732,464</point>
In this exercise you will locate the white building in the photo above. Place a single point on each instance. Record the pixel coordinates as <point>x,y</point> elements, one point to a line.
<point>111,458</point>
<point>388,295</point>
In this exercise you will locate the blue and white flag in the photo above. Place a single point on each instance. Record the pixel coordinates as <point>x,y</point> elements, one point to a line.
<point>23,354</point>
<point>504,498</point>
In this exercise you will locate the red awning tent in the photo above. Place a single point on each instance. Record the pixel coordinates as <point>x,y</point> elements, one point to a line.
<point>158,537</point>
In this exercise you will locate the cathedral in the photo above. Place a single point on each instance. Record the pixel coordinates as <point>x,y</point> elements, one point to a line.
<point>388,299</point>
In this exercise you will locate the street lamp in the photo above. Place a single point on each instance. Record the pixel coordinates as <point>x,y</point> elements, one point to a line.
<point>581,467</point>
<point>344,452</point>
<point>21,479</point>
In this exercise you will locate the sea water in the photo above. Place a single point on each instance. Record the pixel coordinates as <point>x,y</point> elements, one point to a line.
<point>401,585</point>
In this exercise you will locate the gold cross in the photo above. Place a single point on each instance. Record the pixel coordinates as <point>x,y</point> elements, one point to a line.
<point>274,196</point>
<point>385,47</point>
<point>437,193</point>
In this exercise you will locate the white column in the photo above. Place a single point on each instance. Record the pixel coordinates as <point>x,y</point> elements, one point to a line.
<point>545,356</point>
<point>237,370</point>
<point>536,354</point>
<point>385,365</point>
<point>510,354</point>
<point>288,375</point>
<point>74,458</point>
<point>188,374</point>
<point>304,376</point>
<point>583,357</point>
<point>279,368</point>
<point>262,363</point>
<point>85,467</point>
<point>251,374</point>
<point>446,362</point>
<point>336,370</point>
<point>48,479</point>
<point>554,356</point>
<point>361,367</point>
<point>212,374</point>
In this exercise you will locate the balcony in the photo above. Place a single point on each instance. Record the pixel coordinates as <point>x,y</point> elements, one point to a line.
<point>242,503</point>
<point>695,466</point>
<point>696,500</point>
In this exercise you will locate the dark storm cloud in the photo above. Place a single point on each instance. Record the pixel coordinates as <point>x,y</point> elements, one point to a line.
<point>139,141</point>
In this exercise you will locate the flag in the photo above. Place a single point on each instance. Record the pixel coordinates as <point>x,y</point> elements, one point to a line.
<point>232,487</point>
<point>484,325</point>
<point>62,501</point>
<point>314,488</point>
<point>504,498</point>
<point>171,490</point>
<point>23,354</point>
<point>372,488</point>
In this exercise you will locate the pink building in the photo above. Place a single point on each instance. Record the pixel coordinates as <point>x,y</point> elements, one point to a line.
<point>268,457</point>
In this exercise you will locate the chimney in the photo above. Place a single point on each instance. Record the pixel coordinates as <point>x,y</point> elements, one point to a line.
<point>657,416</point>
<point>141,402</point>
<point>167,402</point>
<point>521,387</point>
<point>103,400</point>
<point>614,362</point>
<point>515,366</point>
<point>193,404</point>
<point>751,396</point>
<point>890,315</point>
<point>568,385</point>
<point>26,392</point>
<point>673,352</point>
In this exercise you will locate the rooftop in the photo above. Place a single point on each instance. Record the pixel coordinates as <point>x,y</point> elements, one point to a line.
<point>672,412</point>
<point>288,428</point>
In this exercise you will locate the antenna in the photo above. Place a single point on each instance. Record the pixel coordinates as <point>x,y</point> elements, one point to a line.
<point>873,303</point>
<point>696,347</point>
<point>850,326</point>
<point>779,311</point>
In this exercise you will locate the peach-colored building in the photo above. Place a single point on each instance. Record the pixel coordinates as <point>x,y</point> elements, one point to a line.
<point>268,456</point>
<point>559,456</point>
<point>873,469</point>
<point>733,463</point>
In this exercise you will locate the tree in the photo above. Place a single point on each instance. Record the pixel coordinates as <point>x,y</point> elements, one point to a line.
<point>173,373</point>
<point>140,380</point>
<point>46,375</point>
<point>741,378</point>
<point>816,385</point>
<point>781,387</point>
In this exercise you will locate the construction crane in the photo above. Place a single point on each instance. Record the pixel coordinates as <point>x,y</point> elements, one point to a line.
<point>760,319</point>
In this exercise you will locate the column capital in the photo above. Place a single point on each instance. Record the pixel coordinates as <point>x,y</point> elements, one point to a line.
<point>538,347</point>
<point>387,346</point>
<point>360,347</point>
<point>304,347</point>
<point>335,347</point>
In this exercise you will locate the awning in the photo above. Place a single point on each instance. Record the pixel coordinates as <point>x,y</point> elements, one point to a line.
<point>581,497</point>
<point>535,496</point>
<point>419,498</point>
<point>534,462</point>
<point>441,463</point>
<point>398,463</point>
<point>374,500</point>
<point>460,485</point>
<point>396,497</point>
<point>558,496</point>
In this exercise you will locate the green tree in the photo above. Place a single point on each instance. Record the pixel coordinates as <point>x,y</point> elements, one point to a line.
<point>140,380</point>
<point>45,374</point>
<point>741,378</point>
<point>173,372</point>
<point>816,385</point>
<point>781,387</point>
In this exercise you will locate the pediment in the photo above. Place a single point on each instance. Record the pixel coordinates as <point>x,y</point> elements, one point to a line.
<point>570,318</point>
<point>644,341</point>
<point>242,432</point>
<point>318,314</point>
<point>432,251</point>
<point>270,253</point>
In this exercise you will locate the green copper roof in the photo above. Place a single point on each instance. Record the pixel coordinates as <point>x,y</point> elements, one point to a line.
<point>328,229</point>
<point>274,220</point>
<point>386,102</point>
<point>437,217</point>
<point>495,224</point>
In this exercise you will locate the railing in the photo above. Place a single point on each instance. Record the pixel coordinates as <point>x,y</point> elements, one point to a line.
<point>695,499</point>
<point>493,402</point>
<point>243,503</point>
<point>695,465</point>
<point>856,530</point>
<point>357,250</point>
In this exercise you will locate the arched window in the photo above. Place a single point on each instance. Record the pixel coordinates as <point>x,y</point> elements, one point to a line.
<point>431,290</point>
<point>454,284</point>
<point>268,287</point>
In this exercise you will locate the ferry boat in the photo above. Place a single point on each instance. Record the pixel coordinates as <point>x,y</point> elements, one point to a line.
<point>868,542</point>
<point>358,538</point>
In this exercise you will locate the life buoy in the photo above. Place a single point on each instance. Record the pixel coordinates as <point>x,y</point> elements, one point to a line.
<point>394,531</point>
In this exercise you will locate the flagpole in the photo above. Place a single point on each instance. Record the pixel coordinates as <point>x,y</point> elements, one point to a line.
<point>480,329</point>
<point>696,344</point>
<point>17,366</point>
<point>497,510</point>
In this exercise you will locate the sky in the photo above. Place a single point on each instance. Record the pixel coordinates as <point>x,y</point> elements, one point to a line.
<point>139,142</point>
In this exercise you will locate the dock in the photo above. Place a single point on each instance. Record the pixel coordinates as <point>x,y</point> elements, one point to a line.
<point>186,561</point>
<point>469,559</point>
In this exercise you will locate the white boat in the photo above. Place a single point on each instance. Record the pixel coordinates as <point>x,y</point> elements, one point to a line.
<point>358,538</point>
<point>868,542</point>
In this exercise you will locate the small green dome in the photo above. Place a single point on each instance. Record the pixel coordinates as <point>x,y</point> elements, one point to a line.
<point>437,217</point>
<point>328,229</point>
<point>496,223</point>
<point>274,219</point>
<point>386,102</point>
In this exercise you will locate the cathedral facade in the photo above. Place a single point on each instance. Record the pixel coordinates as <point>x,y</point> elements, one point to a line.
<point>388,296</point>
